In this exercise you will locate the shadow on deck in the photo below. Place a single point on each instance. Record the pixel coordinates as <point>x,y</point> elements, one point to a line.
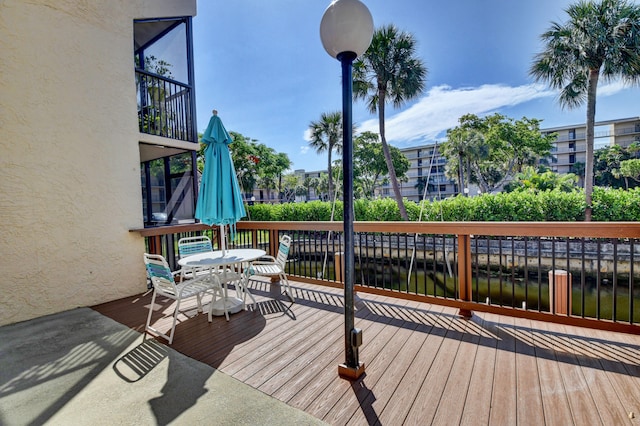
<point>424,364</point>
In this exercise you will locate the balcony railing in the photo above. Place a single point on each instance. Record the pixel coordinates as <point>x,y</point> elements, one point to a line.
<point>164,107</point>
<point>583,274</point>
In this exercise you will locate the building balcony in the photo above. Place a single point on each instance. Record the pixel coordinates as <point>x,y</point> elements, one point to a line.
<point>165,107</point>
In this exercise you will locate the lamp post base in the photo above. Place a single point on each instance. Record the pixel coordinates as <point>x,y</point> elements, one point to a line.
<point>351,373</point>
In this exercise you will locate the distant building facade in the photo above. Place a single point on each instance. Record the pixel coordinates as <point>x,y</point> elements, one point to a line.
<point>570,145</point>
<point>428,166</point>
<point>426,177</point>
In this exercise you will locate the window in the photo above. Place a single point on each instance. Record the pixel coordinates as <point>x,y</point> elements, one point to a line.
<point>168,190</point>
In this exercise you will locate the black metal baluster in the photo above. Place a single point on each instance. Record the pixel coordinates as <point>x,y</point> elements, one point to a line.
<point>615,280</point>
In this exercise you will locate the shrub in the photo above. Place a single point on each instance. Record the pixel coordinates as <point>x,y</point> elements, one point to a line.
<point>261,212</point>
<point>616,204</point>
<point>524,205</point>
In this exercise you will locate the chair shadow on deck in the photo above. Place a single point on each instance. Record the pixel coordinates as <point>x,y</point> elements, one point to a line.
<point>139,361</point>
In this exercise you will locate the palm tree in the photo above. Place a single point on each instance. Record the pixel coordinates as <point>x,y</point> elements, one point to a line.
<point>455,147</point>
<point>467,147</point>
<point>389,70</point>
<point>421,184</point>
<point>577,169</point>
<point>600,39</point>
<point>326,135</point>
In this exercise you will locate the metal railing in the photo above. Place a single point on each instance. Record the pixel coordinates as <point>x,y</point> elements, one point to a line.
<point>584,274</point>
<point>164,107</point>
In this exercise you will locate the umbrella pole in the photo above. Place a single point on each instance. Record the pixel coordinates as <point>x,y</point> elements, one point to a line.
<point>223,240</point>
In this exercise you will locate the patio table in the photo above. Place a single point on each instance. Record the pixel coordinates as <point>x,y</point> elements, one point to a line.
<point>214,260</point>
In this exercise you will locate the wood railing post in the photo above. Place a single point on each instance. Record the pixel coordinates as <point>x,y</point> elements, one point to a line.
<point>155,244</point>
<point>464,272</point>
<point>273,242</point>
<point>254,239</point>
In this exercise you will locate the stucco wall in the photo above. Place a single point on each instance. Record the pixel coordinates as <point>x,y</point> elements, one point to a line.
<point>69,161</point>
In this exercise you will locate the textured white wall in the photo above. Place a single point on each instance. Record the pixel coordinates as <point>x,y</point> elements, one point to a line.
<point>69,160</point>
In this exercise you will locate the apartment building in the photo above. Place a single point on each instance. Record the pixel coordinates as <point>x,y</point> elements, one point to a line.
<point>425,178</point>
<point>569,147</point>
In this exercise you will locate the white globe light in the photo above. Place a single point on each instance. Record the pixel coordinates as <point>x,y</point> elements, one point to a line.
<point>346,26</point>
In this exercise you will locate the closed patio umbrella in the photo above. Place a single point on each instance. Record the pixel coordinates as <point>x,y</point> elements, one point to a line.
<point>219,197</point>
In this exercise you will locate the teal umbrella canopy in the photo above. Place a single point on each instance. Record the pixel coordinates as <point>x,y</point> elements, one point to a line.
<point>219,197</point>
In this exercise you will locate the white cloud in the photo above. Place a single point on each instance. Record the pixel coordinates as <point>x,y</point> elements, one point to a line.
<point>304,149</point>
<point>442,106</point>
<point>307,135</point>
<point>610,89</point>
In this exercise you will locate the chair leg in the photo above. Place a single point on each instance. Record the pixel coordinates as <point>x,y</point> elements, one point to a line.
<point>175,319</point>
<point>199,298</point>
<point>224,301</point>
<point>285,281</point>
<point>153,300</point>
<point>245,290</point>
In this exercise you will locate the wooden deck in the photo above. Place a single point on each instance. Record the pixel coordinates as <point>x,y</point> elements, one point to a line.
<point>424,364</point>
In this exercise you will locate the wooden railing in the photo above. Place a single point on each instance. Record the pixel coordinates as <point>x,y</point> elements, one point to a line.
<point>585,274</point>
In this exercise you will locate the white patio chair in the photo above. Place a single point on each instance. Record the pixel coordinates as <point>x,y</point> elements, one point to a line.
<point>274,266</point>
<point>165,285</point>
<point>189,246</point>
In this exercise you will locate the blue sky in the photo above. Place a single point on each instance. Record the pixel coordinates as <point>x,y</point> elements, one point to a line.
<point>261,64</point>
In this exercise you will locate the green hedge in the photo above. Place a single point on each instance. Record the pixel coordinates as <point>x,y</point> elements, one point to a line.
<point>553,205</point>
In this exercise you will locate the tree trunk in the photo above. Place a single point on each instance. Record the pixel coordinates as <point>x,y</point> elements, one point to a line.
<point>591,118</point>
<point>330,177</point>
<point>387,158</point>
<point>460,174</point>
<point>469,173</point>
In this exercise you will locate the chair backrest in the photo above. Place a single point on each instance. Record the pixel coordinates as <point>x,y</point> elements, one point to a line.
<point>283,250</point>
<point>193,245</point>
<point>160,274</point>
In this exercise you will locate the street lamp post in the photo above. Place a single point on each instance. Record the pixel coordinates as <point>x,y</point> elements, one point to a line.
<point>346,30</point>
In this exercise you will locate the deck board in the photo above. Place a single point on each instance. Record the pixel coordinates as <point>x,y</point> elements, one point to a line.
<point>428,397</point>
<point>604,395</point>
<point>555,404</point>
<point>424,364</point>
<point>477,403</point>
<point>529,393</point>
<point>576,386</point>
<point>455,391</point>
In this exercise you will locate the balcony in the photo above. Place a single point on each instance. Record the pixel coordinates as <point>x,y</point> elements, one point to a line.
<point>164,107</point>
